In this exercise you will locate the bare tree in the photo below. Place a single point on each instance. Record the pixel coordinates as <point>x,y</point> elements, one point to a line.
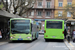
<point>67,8</point>
<point>19,6</point>
<point>70,9</point>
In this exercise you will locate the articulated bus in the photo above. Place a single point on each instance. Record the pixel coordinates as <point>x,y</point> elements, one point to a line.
<point>23,29</point>
<point>54,29</point>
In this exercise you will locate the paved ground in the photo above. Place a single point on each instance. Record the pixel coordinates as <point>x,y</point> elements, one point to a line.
<point>70,45</point>
<point>38,44</point>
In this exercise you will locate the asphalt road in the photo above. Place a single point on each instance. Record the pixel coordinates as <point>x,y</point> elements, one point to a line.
<point>38,44</point>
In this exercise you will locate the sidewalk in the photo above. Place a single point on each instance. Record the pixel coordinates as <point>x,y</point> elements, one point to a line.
<point>4,40</point>
<point>73,45</point>
<point>70,45</point>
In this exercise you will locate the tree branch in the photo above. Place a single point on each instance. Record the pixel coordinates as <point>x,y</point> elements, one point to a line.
<point>26,10</point>
<point>20,6</point>
<point>10,5</point>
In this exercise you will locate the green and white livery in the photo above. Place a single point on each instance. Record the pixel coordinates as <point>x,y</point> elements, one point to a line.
<point>23,29</point>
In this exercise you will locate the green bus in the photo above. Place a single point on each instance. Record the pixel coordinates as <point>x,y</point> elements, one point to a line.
<point>23,29</point>
<point>54,29</point>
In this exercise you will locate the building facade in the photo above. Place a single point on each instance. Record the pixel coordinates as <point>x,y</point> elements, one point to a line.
<point>47,9</point>
<point>61,13</point>
<point>42,9</point>
<point>60,10</point>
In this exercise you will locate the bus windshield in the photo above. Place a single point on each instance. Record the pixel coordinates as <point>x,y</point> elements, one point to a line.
<point>20,26</point>
<point>54,24</point>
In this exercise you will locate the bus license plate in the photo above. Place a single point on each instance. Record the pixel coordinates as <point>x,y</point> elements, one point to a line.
<point>53,36</point>
<point>20,39</point>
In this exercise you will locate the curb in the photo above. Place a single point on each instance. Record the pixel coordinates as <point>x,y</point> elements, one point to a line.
<point>4,40</point>
<point>67,46</point>
<point>2,43</point>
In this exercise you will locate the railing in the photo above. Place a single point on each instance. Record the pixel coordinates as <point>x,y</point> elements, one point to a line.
<point>49,6</point>
<point>57,7</point>
<point>45,6</point>
<point>31,16</point>
<point>36,16</point>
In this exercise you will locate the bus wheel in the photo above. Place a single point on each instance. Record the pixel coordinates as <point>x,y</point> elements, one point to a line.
<point>32,37</point>
<point>36,38</point>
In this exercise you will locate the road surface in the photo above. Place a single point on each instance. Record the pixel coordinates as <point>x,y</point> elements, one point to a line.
<point>38,44</point>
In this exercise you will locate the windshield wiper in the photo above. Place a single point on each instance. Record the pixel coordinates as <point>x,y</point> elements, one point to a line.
<point>14,31</point>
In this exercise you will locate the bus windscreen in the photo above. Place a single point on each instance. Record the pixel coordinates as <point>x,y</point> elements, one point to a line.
<point>54,24</point>
<point>20,26</point>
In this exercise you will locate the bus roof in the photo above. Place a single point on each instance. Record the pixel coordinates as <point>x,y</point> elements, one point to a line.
<point>20,18</point>
<point>32,21</point>
<point>53,20</point>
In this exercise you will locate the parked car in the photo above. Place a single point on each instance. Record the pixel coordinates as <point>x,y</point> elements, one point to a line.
<point>41,32</point>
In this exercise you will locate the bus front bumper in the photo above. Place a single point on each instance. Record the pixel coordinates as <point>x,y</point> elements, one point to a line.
<point>54,37</point>
<point>21,39</point>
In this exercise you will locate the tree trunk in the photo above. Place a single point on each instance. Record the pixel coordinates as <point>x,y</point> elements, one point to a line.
<point>6,5</point>
<point>20,14</point>
<point>15,10</point>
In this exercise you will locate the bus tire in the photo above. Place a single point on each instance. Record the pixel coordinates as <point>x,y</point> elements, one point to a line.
<point>32,37</point>
<point>36,38</point>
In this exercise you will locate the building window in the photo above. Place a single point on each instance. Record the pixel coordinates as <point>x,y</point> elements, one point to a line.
<point>60,4</point>
<point>39,3</point>
<point>39,13</point>
<point>32,13</point>
<point>48,4</point>
<point>25,15</point>
<point>29,13</point>
<point>69,3</point>
<point>60,13</point>
<point>68,14</point>
<point>48,13</point>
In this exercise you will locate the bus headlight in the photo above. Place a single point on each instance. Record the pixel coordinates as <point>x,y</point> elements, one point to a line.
<point>12,37</point>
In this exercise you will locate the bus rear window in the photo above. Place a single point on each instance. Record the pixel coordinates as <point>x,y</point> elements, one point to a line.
<point>54,24</point>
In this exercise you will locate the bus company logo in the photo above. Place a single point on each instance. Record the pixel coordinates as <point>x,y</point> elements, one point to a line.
<point>19,36</point>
